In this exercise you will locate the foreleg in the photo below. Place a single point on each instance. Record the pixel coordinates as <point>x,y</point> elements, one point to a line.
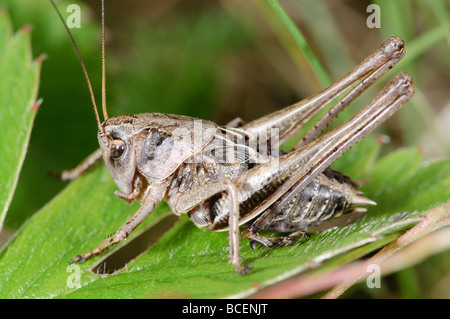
<point>151,198</point>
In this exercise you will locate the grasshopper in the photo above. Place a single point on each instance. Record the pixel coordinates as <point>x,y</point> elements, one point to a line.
<point>233,176</point>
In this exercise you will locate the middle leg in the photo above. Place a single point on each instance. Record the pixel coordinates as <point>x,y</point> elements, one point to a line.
<point>183,203</point>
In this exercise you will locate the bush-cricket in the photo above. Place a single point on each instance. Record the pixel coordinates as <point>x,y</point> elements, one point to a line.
<point>232,176</point>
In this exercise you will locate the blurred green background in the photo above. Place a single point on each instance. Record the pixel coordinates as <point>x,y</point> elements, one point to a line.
<point>222,59</point>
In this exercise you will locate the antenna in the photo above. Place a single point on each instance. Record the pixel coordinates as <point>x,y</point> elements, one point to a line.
<point>94,105</point>
<point>105,111</point>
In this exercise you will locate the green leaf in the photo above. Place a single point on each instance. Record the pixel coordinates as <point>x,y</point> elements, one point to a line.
<point>50,238</point>
<point>192,262</point>
<point>18,89</point>
<point>66,114</point>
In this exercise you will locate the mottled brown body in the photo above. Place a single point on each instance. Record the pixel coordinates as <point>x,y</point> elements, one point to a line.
<point>234,176</point>
<point>329,195</point>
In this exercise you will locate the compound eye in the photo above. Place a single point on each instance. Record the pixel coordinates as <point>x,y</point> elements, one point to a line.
<point>117,149</point>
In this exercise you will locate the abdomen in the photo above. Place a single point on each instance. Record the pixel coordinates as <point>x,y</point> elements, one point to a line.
<point>330,195</point>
